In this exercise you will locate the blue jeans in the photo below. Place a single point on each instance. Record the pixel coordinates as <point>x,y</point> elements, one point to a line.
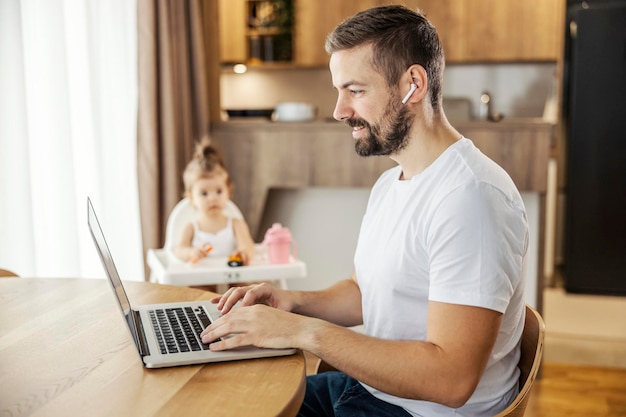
<point>336,394</point>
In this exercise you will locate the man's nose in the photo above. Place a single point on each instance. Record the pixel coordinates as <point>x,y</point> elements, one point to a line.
<point>342,110</point>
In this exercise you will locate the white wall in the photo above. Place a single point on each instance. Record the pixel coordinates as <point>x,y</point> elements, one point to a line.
<point>517,90</point>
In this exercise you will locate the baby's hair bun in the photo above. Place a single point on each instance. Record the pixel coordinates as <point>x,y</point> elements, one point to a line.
<point>208,151</point>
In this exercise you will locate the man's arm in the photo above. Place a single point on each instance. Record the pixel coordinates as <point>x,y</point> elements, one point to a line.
<point>339,304</point>
<point>446,368</point>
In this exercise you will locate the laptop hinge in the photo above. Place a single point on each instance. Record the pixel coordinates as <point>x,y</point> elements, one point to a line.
<point>138,334</point>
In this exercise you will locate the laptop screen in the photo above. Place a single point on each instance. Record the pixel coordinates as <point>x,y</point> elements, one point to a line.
<point>107,260</point>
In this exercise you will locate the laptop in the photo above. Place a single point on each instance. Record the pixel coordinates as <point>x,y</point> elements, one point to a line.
<point>168,334</point>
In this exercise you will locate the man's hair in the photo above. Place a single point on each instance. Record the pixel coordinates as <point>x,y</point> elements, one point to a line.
<point>400,37</point>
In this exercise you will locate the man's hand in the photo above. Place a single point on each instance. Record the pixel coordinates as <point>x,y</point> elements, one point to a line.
<point>253,294</point>
<point>258,325</point>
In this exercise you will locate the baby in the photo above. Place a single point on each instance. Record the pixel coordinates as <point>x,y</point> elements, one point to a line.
<point>208,187</point>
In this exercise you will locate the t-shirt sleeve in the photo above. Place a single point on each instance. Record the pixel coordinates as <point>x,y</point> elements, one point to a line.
<point>477,241</point>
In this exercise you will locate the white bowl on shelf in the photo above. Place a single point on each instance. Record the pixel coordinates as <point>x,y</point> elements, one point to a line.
<point>292,111</point>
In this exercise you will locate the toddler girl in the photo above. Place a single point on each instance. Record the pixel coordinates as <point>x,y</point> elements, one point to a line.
<point>208,187</point>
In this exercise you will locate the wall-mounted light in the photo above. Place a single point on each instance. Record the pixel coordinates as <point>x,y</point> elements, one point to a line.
<point>240,68</point>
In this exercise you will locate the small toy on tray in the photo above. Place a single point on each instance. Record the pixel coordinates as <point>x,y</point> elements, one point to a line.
<point>235,260</point>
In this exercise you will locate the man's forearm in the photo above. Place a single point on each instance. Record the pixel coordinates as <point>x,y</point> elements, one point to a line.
<point>339,304</point>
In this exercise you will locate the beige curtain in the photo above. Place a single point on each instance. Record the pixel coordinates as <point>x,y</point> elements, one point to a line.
<point>172,106</point>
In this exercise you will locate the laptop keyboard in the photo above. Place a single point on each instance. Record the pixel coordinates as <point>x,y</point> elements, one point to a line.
<point>178,329</point>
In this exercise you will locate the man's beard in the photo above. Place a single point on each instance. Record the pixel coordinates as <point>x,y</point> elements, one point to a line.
<point>387,137</point>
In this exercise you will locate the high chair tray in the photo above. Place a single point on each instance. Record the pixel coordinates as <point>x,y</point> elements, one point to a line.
<point>167,269</point>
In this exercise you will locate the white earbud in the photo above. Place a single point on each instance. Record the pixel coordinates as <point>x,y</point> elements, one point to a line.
<point>409,94</point>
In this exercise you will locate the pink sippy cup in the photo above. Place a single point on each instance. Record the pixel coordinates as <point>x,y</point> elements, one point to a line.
<point>278,242</point>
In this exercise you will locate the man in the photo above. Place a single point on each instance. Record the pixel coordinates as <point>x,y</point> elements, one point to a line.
<point>440,255</point>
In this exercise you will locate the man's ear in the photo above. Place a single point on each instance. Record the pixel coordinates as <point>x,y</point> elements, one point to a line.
<point>415,75</point>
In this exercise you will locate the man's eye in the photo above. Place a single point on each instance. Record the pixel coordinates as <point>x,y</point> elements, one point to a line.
<point>356,92</point>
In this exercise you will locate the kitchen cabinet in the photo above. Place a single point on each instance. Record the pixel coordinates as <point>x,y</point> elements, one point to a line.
<point>232,30</point>
<point>450,19</point>
<point>497,30</point>
<point>269,31</point>
<point>315,19</point>
<point>472,31</point>
<point>477,31</point>
<point>241,41</point>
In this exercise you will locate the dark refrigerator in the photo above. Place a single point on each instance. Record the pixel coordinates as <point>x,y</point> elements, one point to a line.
<point>595,120</point>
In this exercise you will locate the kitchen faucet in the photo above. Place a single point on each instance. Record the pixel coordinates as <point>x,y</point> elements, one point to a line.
<point>485,108</point>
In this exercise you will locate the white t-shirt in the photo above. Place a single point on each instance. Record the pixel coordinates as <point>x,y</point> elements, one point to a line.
<point>455,233</point>
<point>224,242</point>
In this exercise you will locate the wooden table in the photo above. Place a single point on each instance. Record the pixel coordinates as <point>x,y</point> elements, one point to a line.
<point>65,351</point>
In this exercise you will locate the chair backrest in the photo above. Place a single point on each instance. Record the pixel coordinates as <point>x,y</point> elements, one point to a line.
<point>6,273</point>
<point>184,213</point>
<point>530,360</point>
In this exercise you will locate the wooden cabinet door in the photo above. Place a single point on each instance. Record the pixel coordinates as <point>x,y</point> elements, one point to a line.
<point>541,31</point>
<point>496,30</point>
<point>448,16</point>
<point>315,19</point>
<point>499,30</point>
<point>232,30</point>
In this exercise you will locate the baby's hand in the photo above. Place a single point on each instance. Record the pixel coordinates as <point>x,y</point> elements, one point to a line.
<point>244,256</point>
<point>195,254</point>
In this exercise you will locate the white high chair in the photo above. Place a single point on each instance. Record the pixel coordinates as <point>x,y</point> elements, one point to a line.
<point>165,268</point>
<point>184,213</point>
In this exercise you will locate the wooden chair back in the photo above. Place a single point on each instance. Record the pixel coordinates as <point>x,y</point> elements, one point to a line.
<point>7,273</point>
<point>530,360</point>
